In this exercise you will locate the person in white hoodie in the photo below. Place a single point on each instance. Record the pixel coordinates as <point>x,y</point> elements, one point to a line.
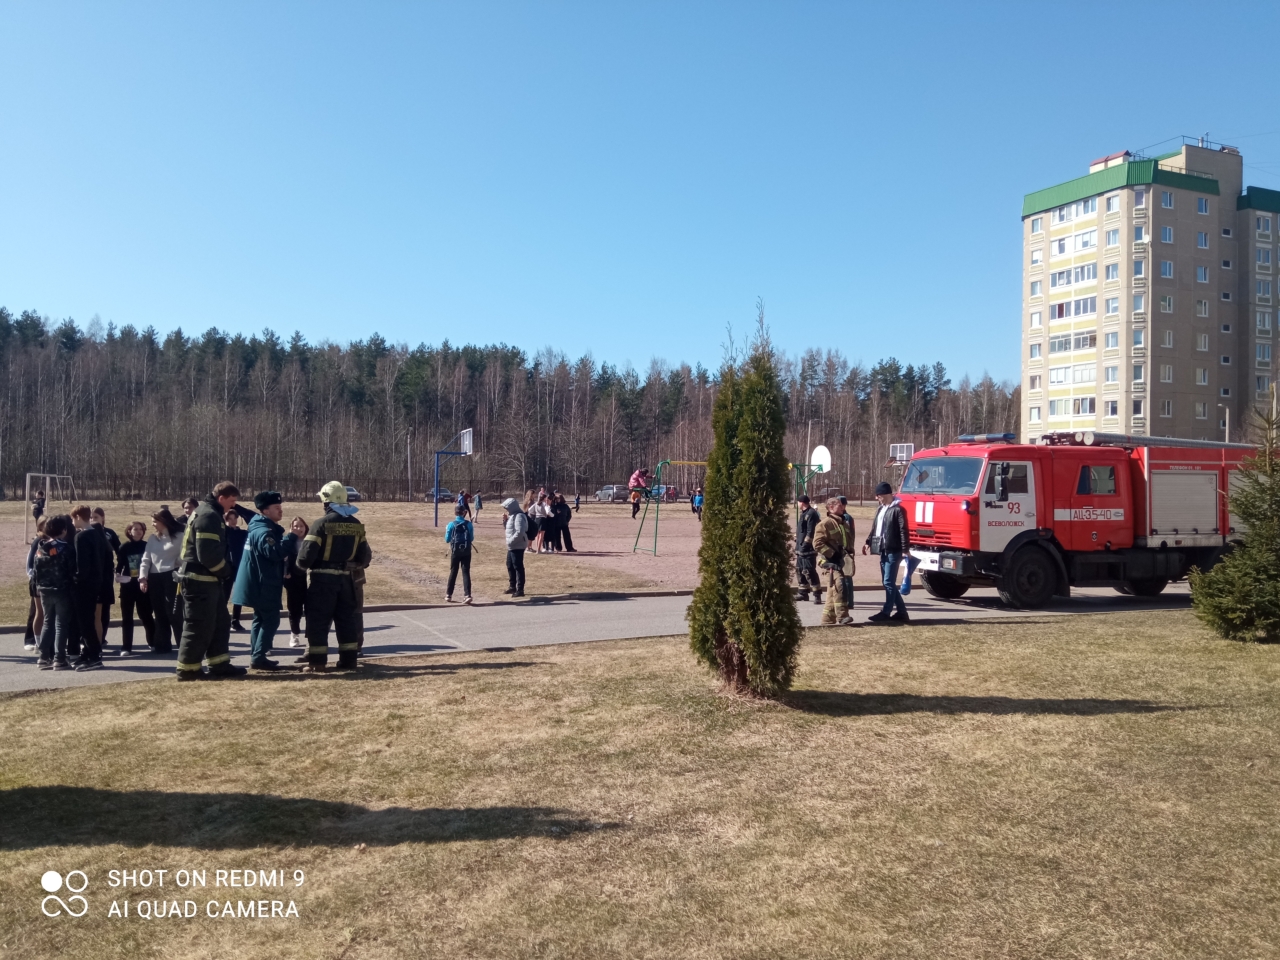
<point>155,579</point>
<point>517,530</point>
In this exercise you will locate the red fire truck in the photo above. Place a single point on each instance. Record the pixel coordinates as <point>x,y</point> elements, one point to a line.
<point>1073,509</point>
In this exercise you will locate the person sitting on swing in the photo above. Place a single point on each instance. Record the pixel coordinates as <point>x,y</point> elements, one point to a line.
<point>639,486</point>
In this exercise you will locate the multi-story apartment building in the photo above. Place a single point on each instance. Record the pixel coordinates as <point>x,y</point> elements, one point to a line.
<point>1149,298</point>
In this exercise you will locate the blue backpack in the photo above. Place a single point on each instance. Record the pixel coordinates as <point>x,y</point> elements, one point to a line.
<point>460,537</point>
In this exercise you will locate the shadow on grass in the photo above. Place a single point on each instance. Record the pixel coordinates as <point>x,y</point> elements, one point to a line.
<point>838,704</point>
<point>33,817</point>
<point>380,670</point>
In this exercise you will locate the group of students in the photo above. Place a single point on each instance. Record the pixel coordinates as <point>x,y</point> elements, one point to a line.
<point>76,562</point>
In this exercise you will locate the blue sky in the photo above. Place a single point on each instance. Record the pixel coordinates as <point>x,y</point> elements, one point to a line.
<point>623,179</point>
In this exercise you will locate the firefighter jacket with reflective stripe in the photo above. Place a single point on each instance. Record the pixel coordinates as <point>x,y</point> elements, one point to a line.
<point>831,540</point>
<point>334,545</point>
<point>204,543</point>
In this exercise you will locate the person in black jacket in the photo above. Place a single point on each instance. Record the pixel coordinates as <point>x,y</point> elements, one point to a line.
<point>128,574</point>
<point>99,519</point>
<point>889,539</point>
<point>94,578</point>
<point>295,580</point>
<point>806,556</point>
<point>237,537</point>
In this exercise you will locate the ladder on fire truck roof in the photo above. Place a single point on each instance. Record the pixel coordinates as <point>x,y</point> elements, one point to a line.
<point>1090,438</point>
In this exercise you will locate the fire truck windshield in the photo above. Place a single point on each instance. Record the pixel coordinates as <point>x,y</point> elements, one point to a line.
<point>945,475</point>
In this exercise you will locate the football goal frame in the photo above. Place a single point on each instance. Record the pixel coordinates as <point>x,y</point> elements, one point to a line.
<point>62,482</point>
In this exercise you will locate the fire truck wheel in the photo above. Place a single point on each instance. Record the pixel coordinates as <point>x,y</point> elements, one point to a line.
<point>1030,581</point>
<point>1143,588</point>
<point>943,586</point>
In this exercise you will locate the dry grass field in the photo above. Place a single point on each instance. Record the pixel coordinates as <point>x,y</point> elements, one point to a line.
<point>1103,786</point>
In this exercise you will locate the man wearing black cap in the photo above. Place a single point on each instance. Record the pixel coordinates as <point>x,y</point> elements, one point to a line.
<point>806,556</point>
<point>260,577</point>
<point>889,540</point>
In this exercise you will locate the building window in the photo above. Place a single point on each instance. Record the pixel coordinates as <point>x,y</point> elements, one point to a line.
<point>1087,240</point>
<point>1138,372</point>
<point>1202,308</point>
<point>1202,410</point>
<point>1084,341</point>
<point>1166,304</point>
<point>1263,224</point>
<point>1035,351</point>
<point>1137,408</point>
<point>1113,204</point>
<point>1139,234</point>
<point>1059,278</point>
<point>1202,205</point>
<point>1086,272</point>
<point>1264,323</point>
<point>1113,340</point>
<point>1262,384</point>
<point>1113,271</point>
<point>1166,269</point>
<point>1139,198</point>
<point>1226,295</point>
<point>1058,375</point>
<point>1264,288</point>
<point>1085,306</point>
<point>1264,255</point>
<point>1033,414</point>
<point>1139,337</point>
<point>1057,311</point>
<point>1167,339</point>
<point>1036,287</point>
<point>1202,342</point>
<point>1226,328</point>
<point>1113,306</point>
<point>1202,376</point>
<point>1166,373</point>
<point>1166,199</point>
<point>1226,231</point>
<point>1202,240</point>
<point>1035,318</point>
<point>1113,238</point>
<point>1166,234</point>
<point>1226,360</point>
<point>1034,381</point>
<point>1085,373</point>
<point>1224,392</point>
<point>1037,226</point>
<point>1226,264</point>
<point>1264,355</point>
<point>1111,408</point>
<point>1083,406</point>
<point>1139,302</point>
<point>1202,274</point>
<point>1058,248</point>
<point>1111,374</point>
<point>1037,256</point>
<point>1059,408</point>
<point>1139,268</point>
<point>1166,408</point>
<point>1060,344</point>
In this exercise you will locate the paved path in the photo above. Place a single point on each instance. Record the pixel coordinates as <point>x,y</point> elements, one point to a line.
<point>441,630</point>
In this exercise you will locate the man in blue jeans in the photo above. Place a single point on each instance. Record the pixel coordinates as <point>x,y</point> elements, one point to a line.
<point>890,541</point>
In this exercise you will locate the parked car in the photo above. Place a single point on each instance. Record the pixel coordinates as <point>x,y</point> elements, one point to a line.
<point>353,495</point>
<point>667,493</point>
<point>444,495</point>
<point>611,493</point>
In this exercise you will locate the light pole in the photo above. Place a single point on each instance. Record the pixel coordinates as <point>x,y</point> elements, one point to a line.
<point>1227,421</point>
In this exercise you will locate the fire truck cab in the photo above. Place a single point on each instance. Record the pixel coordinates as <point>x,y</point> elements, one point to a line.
<point>1079,509</point>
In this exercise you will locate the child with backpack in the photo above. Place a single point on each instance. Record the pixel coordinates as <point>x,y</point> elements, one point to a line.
<point>53,572</point>
<point>460,535</point>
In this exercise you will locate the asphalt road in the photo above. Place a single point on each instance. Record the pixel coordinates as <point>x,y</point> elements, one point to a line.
<point>444,629</point>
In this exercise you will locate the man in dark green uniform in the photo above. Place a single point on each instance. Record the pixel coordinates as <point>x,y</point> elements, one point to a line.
<point>335,545</point>
<point>206,629</point>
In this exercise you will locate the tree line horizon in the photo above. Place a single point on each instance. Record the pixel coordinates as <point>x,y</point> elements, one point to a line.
<point>134,414</point>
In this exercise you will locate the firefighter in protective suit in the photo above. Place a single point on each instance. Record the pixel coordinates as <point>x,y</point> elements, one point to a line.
<point>206,626</point>
<point>333,548</point>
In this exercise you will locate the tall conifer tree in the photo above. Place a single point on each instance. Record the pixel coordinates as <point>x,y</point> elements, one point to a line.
<point>743,619</point>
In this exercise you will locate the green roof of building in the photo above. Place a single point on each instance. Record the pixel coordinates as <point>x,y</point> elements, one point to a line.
<point>1134,173</point>
<point>1259,198</point>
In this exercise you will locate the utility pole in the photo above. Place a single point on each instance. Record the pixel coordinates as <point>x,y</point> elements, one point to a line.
<point>408,459</point>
